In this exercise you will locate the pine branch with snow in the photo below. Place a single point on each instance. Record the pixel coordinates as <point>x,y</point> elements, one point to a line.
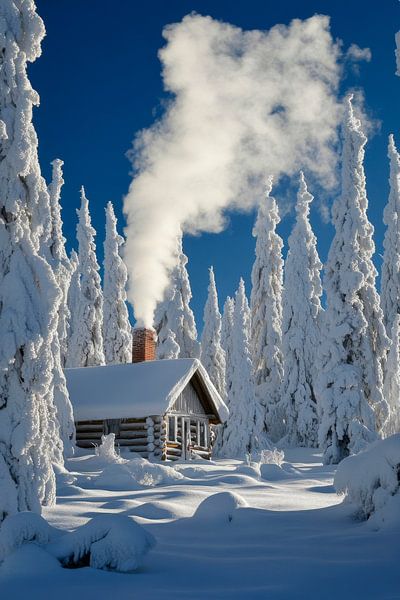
<point>354,343</point>
<point>390,286</point>
<point>29,295</point>
<point>117,331</point>
<point>301,314</point>
<point>174,312</point>
<point>86,343</point>
<point>212,353</point>
<point>244,430</point>
<point>266,313</point>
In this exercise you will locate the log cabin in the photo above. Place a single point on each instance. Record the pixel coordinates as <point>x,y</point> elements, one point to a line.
<point>161,409</point>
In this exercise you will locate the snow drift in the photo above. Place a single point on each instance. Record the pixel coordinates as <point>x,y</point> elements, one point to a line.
<point>107,542</point>
<point>371,481</point>
<point>243,103</point>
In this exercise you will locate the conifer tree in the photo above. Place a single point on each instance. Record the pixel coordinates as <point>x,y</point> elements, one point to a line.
<point>174,312</point>
<point>301,313</point>
<point>117,332</point>
<point>354,344</point>
<point>212,353</point>
<point>244,430</point>
<point>226,340</point>
<point>60,261</point>
<point>391,389</point>
<point>86,343</point>
<point>266,313</point>
<point>54,242</point>
<point>29,295</point>
<point>390,286</point>
<point>72,299</point>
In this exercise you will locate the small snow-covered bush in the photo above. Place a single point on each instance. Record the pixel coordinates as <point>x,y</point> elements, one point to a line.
<point>272,457</point>
<point>106,450</point>
<point>371,481</point>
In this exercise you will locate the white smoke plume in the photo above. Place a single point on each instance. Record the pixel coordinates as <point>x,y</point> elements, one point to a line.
<point>245,104</point>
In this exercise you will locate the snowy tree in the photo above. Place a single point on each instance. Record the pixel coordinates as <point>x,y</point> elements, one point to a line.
<point>59,259</point>
<point>398,53</point>
<point>354,344</point>
<point>56,255</point>
<point>117,332</point>
<point>390,287</point>
<point>391,387</point>
<point>86,343</point>
<point>226,343</point>
<point>74,292</point>
<point>167,346</point>
<point>244,430</point>
<point>300,330</point>
<point>174,312</point>
<point>29,295</point>
<point>212,353</point>
<point>266,313</point>
<point>226,340</point>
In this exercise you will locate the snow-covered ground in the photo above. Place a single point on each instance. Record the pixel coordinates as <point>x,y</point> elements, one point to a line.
<point>287,535</point>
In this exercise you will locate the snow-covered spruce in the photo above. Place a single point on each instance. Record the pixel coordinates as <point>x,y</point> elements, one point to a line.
<point>61,266</point>
<point>29,295</point>
<point>60,262</point>
<point>398,53</point>
<point>117,334</point>
<point>86,343</point>
<point>226,343</point>
<point>371,482</point>
<point>354,344</point>
<point>390,286</point>
<point>226,340</point>
<point>174,314</point>
<point>212,353</point>
<point>244,430</point>
<point>391,387</point>
<point>266,313</point>
<point>72,299</point>
<point>300,330</point>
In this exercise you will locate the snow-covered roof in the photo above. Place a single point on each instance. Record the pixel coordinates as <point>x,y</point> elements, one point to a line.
<point>136,390</point>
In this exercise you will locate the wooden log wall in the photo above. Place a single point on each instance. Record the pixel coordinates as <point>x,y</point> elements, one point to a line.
<point>137,435</point>
<point>148,437</point>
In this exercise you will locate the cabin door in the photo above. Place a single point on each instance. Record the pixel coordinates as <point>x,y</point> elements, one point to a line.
<point>186,438</point>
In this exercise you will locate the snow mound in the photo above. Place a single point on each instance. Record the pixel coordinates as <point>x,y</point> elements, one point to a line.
<point>134,474</point>
<point>272,472</point>
<point>252,470</point>
<point>371,481</point>
<point>22,528</point>
<point>220,507</point>
<point>108,542</point>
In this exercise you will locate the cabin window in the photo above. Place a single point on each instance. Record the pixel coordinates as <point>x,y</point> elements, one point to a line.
<point>171,429</point>
<point>202,434</point>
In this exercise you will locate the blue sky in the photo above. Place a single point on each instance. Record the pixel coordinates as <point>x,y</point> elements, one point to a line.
<point>99,82</point>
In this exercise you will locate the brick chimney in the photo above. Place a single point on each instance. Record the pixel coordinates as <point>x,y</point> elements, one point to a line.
<point>143,344</point>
